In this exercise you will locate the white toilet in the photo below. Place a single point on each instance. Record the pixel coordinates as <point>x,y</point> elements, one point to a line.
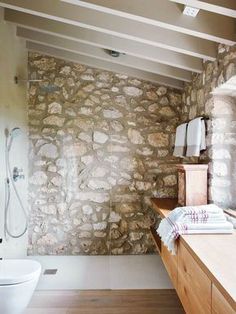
<point>18,280</point>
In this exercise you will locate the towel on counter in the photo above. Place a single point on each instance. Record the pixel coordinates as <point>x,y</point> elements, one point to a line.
<point>196,137</point>
<point>202,219</point>
<point>180,140</point>
<point>231,219</point>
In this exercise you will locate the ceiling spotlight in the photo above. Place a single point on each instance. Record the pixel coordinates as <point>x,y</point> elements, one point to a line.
<point>190,11</point>
<point>114,53</point>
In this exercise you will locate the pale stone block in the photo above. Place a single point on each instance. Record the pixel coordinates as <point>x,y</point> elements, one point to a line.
<point>161,91</point>
<point>135,137</point>
<point>54,107</point>
<point>39,178</point>
<point>100,137</point>
<point>158,139</point>
<point>133,91</point>
<point>54,120</point>
<point>112,114</point>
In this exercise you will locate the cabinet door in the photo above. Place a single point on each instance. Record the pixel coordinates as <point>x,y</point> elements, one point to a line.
<point>196,188</point>
<point>219,303</point>
<point>171,263</point>
<point>194,287</point>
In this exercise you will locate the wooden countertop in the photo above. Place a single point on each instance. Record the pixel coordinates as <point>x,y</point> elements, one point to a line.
<point>215,253</point>
<point>163,206</point>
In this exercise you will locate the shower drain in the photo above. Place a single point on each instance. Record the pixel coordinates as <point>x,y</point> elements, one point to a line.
<point>50,271</point>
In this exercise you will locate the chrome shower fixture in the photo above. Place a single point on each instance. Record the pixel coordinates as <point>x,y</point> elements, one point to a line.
<point>15,132</point>
<point>12,134</point>
<point>12,176</point>
<point>48,88</point>
<point>17,174</point>
<point>17,80</point>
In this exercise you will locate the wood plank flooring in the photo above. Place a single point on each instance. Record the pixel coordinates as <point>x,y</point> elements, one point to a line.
<point>105,302</point>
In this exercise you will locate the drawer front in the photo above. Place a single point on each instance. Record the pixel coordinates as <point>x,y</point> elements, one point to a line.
<point>171,263</point>
<point>194,287</point>
<point>219,303</point>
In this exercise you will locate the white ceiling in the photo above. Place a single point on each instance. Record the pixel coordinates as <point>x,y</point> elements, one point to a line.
<point>160,43</point>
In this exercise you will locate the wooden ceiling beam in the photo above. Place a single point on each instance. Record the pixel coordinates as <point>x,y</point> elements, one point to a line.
<point>105,41</point>
<point>105,65</point>
<point>102,54</point>
<point>116,26</point>
<point>166,14</point>
<point>222,7</point>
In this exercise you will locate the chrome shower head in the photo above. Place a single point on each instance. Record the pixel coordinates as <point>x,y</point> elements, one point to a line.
<point>15,132</point>
<point>11,135</point>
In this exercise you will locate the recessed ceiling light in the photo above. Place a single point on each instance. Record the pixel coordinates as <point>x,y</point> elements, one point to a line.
<point>190,11</point>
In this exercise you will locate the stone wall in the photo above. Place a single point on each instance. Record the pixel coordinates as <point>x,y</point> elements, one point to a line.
<point>101,145</point>
<point>221,137</point>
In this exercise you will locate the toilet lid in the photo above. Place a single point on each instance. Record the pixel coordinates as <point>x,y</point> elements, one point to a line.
<point>15,271</point>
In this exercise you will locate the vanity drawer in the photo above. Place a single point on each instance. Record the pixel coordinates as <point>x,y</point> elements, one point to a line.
<point>219,303</point>
<point>171,263</point>
<point>194,287</point>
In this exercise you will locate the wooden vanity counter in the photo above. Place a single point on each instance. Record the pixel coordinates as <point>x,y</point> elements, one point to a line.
<point>215,258</point>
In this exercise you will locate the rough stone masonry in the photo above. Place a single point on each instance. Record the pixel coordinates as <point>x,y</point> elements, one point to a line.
<point>100,146</point>
<point>221,136</point>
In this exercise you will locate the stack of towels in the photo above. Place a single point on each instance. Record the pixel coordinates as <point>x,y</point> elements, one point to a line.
<point>190,138</point>
<point>204,219</point>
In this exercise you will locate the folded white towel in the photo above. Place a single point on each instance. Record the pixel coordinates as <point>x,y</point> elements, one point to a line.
<point>192,220</point>
<point>231,219</point>
<point>204,220</point>
<point>180,140</point>
<point>180,212</point>
<point>201,217</point>
<point>210,226</point>
<point>211,231</point>
<point>196,134</point>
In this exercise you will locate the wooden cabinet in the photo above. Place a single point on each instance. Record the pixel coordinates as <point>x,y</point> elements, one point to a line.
<point>194,287</point>
<point>171,263</point>
<point>156,239</point>
<point>192,184</point>
<point>219,304</point>
<point>205,284</point>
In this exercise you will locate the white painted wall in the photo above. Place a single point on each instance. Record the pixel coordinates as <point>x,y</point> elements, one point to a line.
<point>13,112</point>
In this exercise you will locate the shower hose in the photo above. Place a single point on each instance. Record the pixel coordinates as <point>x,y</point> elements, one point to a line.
<point>9,180</point>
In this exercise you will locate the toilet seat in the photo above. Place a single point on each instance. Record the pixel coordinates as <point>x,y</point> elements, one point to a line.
<point>16,271</point>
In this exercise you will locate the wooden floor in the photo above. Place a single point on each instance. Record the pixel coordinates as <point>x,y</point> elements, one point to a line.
<point>105,302</point>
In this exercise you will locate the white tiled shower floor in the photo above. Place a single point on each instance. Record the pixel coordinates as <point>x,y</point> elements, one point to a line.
<point>104,272</point>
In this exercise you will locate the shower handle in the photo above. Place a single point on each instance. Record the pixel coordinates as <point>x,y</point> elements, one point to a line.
<point>17,174</point>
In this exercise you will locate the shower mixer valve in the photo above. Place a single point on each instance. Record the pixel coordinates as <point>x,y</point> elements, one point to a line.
<point>17,174</point>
